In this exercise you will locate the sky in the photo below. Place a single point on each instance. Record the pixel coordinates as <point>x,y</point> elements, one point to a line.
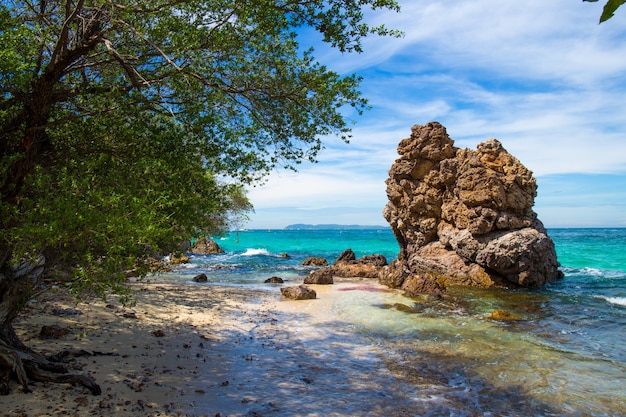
<point>543,77</point>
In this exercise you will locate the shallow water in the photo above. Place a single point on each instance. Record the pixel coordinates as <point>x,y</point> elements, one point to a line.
<point>360,349</point>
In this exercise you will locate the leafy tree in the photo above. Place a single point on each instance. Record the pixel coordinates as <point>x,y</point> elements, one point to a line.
<point>128,126</point>
<point>609,8</point>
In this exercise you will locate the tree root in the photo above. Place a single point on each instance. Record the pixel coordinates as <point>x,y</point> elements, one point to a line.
<point>25,366</point>
<point>10,360</point>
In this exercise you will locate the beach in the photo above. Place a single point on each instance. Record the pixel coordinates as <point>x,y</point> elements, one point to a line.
<point>234,347</point>
<point>191,350</point>
<point>146,357</point>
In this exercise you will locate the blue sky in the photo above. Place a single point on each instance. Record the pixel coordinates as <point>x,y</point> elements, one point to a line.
<point>540,76</point>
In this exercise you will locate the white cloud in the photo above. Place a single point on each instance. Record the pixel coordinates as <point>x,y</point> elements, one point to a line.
<point>541,76</point>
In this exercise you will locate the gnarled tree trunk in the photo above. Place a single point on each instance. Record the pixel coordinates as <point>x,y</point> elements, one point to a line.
<point>17,361</point>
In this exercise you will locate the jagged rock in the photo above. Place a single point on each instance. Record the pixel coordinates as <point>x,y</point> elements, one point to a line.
<point>348,266</point>
<point>301,292</point>
<point>314,261</point>
<point>463,217</point>
<point>274,280</point>
<point>374,260</point>
<point>322,276</point>
<point>346,256</point>
<point>206,246</point>
<point>356,270</point>
<point>200,278</point>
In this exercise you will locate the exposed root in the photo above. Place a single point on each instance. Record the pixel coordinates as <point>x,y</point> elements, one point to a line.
<point>26,366</point>
<point>12,364</point>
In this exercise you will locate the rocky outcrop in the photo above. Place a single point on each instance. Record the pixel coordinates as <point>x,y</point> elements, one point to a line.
<point>206,246</point>
<point>463,217</point>
<point>348,266</point>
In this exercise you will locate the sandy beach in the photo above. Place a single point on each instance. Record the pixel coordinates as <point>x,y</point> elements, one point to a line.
<point>146,357</point>
<point>188,349</point>
<point>207,350</point>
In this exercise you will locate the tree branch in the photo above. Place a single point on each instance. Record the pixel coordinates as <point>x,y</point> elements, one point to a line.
<point>130,71</point>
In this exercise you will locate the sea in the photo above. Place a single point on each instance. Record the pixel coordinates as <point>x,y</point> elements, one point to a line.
<point>561,352</point>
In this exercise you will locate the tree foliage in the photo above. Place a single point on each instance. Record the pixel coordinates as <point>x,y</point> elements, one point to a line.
<point>128,126</point>
<point>118,117</point>
<point>609,8</point>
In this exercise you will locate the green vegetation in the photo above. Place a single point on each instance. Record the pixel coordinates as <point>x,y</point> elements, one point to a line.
<point>609,8</point>
<point>125,127</point>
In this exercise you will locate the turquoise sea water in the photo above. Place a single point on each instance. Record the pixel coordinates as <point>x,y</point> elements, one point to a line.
<point>565,354</point>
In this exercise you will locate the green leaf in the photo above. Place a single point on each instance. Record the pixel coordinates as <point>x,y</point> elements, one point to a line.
<point>609,8</point>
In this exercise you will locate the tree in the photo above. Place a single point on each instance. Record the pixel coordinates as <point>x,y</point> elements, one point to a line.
<point>609,8</point>
<point>126,127</point>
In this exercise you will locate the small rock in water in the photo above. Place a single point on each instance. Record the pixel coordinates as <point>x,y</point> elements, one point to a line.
<point>274,280</point>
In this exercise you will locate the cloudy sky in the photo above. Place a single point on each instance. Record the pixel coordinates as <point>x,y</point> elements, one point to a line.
<point>540,76</point>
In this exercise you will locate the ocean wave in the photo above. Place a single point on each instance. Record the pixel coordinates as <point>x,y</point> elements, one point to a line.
<point>257,251</point>
<point>583,271</point>
<point>614,300</point>
<point>593,272</point>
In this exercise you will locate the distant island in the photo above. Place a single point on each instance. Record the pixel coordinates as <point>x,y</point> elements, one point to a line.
<point>332,227</point>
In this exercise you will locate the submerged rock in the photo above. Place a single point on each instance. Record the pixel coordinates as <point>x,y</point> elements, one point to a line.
<point>301,292</point>
<point>502,315</point>
<point>274,280</point>
<point>463,217</point>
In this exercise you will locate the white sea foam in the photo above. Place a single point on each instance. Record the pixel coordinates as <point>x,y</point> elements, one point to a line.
<point>587,271</point>
<point>255,251</point>
<point>614,300</point>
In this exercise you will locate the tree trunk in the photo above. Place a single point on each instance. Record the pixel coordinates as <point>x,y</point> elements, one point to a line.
<point>17,361</point>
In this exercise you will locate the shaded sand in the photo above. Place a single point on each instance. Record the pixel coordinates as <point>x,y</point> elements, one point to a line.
<point>198,350</point>
<point>148,358</point>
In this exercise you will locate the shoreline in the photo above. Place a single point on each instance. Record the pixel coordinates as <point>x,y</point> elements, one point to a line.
<point>189,349</point>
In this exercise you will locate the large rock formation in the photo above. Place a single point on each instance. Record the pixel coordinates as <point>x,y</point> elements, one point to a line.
<point>463,217</point>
